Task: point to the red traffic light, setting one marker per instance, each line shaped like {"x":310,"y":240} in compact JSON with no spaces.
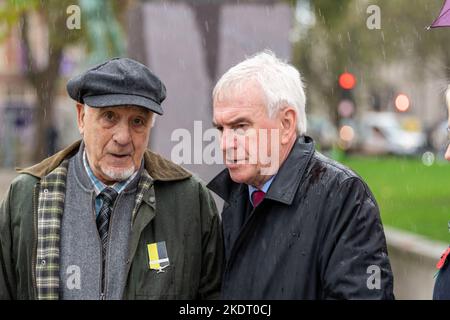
{"x":347,"y":81}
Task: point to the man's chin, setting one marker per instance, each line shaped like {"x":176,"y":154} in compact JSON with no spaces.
{"x":238,"y":176}
{"x":118,"y":174}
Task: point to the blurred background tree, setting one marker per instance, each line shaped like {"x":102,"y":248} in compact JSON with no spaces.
{"x":43,"y":76}
{"x":339,"y":40}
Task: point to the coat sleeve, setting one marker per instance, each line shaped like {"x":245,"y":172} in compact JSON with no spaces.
{"x":6,"y":275}
{"x":212,"y":248}
{"x":441,"y":289}
{"x":355,"y":263}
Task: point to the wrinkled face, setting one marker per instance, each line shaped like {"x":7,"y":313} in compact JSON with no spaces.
{"x":250,"y":139}
{"x":115,"y":139}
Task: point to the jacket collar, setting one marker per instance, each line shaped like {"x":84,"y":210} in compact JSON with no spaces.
{"x":286,"y":182}
{"x":157,"y":167}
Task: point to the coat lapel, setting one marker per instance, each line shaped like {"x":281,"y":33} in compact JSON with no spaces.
{"x":233,"y":216}
{"x":291,"y":173}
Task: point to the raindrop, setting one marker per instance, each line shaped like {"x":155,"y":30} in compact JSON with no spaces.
{"x":428,"y":158}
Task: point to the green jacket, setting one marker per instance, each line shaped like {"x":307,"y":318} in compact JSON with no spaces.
{"x":178,"y":209}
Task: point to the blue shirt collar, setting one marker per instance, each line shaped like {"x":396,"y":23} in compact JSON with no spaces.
{"x":265,"y":188}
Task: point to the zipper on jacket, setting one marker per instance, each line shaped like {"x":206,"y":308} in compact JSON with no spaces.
{"x":109,"y":244}
{"x":103,"y":284}
{"x":35,"y":240}
{"x":94,"y":216}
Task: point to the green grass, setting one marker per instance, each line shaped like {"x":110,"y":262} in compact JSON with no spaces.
{"x":411,"y":196}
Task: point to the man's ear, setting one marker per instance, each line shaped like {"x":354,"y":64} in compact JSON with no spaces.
{"x":152,"y":119}
{"x":80,"y":117}
{"x":288,"y":118}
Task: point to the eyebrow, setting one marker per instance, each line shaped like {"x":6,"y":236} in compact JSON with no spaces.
{"x":232,"y":122}
{"x":139,"y":110}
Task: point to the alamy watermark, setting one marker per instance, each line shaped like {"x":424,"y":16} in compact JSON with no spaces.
{"x":73,"y":281}
{"x":231,"y":147}
{"x":373,"y":22}
{"x":374,"y":280}
{"x":73,"y":21}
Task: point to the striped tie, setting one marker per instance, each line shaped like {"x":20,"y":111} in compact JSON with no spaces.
{"x":108,"y":195}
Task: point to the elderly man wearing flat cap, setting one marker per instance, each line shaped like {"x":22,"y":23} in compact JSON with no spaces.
{"x":106,"y":218}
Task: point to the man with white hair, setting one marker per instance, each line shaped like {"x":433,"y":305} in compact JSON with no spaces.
{"x":296,"y":224}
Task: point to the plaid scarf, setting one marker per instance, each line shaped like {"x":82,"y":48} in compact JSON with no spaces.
{"x":52,"y":191}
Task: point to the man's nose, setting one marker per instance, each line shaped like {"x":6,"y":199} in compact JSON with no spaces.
{"x":122,"y":134}
{"x":227,"y":140}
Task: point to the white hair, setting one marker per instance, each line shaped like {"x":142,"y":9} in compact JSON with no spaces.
{"x":280,"y":82}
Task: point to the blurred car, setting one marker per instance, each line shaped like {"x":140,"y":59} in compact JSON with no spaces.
{"x":322,"y":131}
{"x":382,"y":133}
{"x":439,"y":135}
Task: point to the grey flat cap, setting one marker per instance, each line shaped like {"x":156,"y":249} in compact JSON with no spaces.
{"x":116,"y":82}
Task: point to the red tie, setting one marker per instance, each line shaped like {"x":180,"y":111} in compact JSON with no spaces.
{"x":257,"y":197}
